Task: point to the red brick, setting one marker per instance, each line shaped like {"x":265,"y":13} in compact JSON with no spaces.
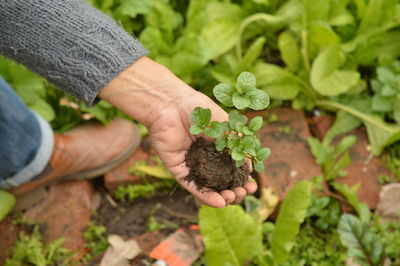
{"x":364,"y":168}
{"x":8,"y":236}
{"x":291,"y":159}
{"x":120,"y":176}
{"x":65,"y":212}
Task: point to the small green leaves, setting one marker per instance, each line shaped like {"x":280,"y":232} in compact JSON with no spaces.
{"x":223,"y":92}
{"x":258,"y":166}
{"x":201,"y":116}
{"x":245,"y":81}
{"x":256,"y":123}
{"x":215,"y":130}
{"x":263,"y":154}
{"x":244,"y":95}
{"x":235,"y":135}
{"x":259,"y":100}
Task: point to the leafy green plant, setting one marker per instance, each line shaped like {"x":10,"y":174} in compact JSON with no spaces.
{"x":333,"y":159}
{"x":132,"y":192}
{"x":96,"y":241}
{"x":7,"y":202}
{"x":236,"y":135}
{"x":386,"y":86}
{"x":232,"y":236}
{"x":325,"y":211}
{"x":362,"y":245}
{"x":30,"y":250}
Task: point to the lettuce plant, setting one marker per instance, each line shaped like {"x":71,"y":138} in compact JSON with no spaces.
{"x":237,"y":135}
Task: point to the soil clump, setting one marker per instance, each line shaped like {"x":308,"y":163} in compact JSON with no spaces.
{"x":212,"y":169}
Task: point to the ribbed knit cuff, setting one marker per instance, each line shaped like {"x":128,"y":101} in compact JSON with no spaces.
{"x":71,"y":44}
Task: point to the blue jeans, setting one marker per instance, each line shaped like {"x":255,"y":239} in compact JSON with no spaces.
{"x":26,"y":140}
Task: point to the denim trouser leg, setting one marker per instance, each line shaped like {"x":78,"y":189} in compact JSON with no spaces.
{"x":26,"y":140}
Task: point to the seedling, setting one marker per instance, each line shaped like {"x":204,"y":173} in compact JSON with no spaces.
{"x":237,"y":136}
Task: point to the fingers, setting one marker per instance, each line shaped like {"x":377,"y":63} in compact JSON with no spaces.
{"x":229,"y":196}
{"x":240,"y":193}
{"x":251,"y":186}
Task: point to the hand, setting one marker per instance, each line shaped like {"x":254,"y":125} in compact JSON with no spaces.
{"x":164,"y":106}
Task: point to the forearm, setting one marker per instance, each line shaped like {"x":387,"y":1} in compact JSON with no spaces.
{"x":144,"y":90}
{"x":74,"y":46}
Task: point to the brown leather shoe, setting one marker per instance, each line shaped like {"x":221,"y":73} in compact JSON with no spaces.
{"x":85,"y":152}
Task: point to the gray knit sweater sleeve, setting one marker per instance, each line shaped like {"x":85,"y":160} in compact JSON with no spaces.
{"x":71,"y":44}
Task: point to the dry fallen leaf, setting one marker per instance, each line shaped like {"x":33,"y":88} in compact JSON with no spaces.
{"x":120,"y":251}
{"x":269,"y":200}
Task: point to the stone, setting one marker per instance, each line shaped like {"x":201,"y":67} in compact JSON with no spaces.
{"x":8,"y":236}
{"x":291,"y":159}
{"x":65,"y":212}
{"x":389,"y":202}
{"x":120,"y":176}
{"x":364,"y":168}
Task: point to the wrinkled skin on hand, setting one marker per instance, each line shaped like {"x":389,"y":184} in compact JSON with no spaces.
{"x":151,"y":94}
{"x":171,"y":138}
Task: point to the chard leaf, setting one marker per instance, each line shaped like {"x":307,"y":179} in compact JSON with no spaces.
{"x":221,"y":22}
{"x":215,"y":130}
{"x":326,"y":78}
{"x":352,"y":198}
{"x":252,"y":54}
{"x":224,"y":92}
{"x":363,"y":246}
{"x":279,"y":83}
{"x":259,"y":100}
{"x":256,"y":123}
{"x":291,"y":215}
{"x":201,"y":116}
{"x":7,"y":201}
{"x":230,"y":235}
{"x":290,"y":50}
{"x":344,"y":123}
{"x":240,"y":101}
{"x":245,"y":81}
{"x":380,"y":133}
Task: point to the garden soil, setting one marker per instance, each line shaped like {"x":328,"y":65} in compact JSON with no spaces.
{"x":211,"y":169}
{"x":130,"y":219}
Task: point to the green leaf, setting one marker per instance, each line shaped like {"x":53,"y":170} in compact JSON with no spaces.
{"x":322,"y":153}
{"x":352,"y":198}
{"x":220,"y":144}
{"x":344,"y":123}
{"x":326,"y":78}
{"x":291,"y":216}
{"x":215,"y":130}
{"x":43,"y":109}
{"x":258,"y":166}
{"x":252,"y":54}
{"x":259,"y":100}
{"x":256,"y":123}
{"x":7,"y":202}
{"x":290,"y":50}
{"x":230,"y":235}
{"x":263,"y":154}
{"x":237,"y":155}
{"x":382,"y":103}
{"x":240,"y":101}
{"x":279,"y":83}
{"x":219,"y":27}
{"x":134,"y":8}
{"x":236,"y":118}
{"x":363,"y":246}
{"x":245,"y":81}
{"x":201,"y":116}
{"x":224,"y":92}
{"x":239,"y":163}
{"x":380,"y":133}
